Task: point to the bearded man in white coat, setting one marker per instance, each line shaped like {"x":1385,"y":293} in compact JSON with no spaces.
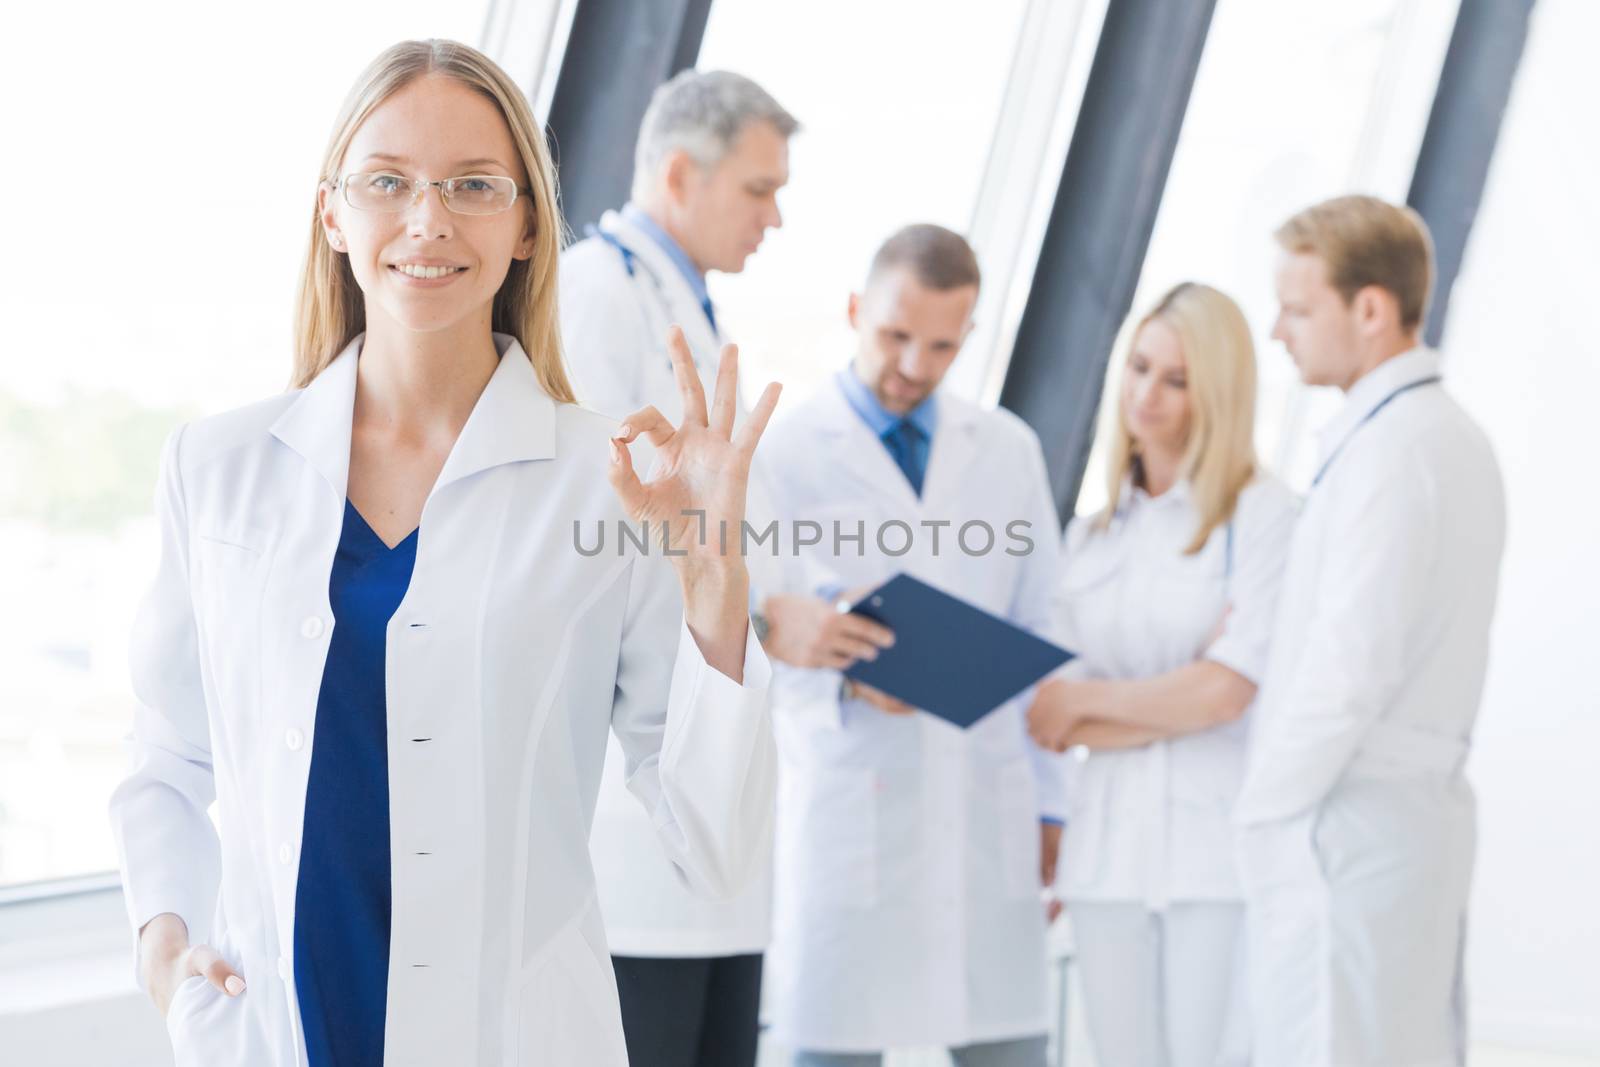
{"x":910,"y":852}
{"x":1356,"y":822}
{"x":711,"y":156}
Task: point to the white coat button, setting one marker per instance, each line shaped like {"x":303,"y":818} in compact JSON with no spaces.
{"x":294,"y":739}
{"x":312,"y":628}
{"x":285,"y":853}
{"x":283,"y":968}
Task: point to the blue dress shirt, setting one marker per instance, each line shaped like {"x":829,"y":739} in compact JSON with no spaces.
{"x":909,"y":438}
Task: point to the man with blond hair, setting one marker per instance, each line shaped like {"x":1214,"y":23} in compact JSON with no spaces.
{"x":1356,"y":824}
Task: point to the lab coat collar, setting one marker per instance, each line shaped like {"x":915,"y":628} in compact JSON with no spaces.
{"x":861,"y":453}
{"x":1181,"y":494}
{"x":949,"y":410}
{"x":651,"y":259}
{"x":513,"y":420}
{"x":880,"y":420}
{"x":1381,"y":382}
{"x":641,"y":221}
{"x":951,"y":451}
{"x":647,"y":252}
{"x":317,"y":425}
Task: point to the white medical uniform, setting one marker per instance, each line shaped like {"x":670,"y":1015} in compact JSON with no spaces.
{"x":1146,"y":866}
{"x":907,"y":895}
{"x":616,"y":308}
{"x":1357,"y":824}
{"x":620,"y":292}
{"x":510,"y":659}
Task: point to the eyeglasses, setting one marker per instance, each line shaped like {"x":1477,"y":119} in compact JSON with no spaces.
{"x":471,"y":194}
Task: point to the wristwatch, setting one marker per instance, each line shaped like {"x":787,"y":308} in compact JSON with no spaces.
{"x":762,"y":627}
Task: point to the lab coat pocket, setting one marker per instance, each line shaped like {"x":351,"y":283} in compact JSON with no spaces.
{"x":226,"y":562}
{"x":227,"y":559}
{"x":1201,"y":838}
{"x":1018,"y":801}
{"x":569,"y":1007}
{"x":244,"y":538}
{"x":840,"y":828}
{"x":189,"y":994}
{"x":208,"y":1027}
{"x":1280,"y":856}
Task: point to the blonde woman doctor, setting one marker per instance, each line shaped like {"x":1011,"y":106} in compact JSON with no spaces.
{"x":374,"y":645}
{"x":1168,"y":595}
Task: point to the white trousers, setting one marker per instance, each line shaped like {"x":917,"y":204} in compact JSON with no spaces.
{"x":1356,"y":926}
{"x":1162,"y":988}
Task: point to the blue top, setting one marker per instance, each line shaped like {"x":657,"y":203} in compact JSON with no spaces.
{"x":341,"y":921}
{"x":637,"y":216}
{"x":909,"y":449}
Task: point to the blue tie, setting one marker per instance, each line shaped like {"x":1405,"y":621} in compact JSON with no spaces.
{"x":908,"y":446}
{"x":705,"y":305}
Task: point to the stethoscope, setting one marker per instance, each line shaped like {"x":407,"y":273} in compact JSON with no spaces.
{"x":1322,"y":472}
{"x":655,"y":317}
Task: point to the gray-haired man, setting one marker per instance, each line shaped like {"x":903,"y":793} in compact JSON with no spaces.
{"x":713,"y":151}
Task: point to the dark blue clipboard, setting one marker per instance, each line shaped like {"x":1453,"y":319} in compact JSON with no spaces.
{"x":949,"y":658}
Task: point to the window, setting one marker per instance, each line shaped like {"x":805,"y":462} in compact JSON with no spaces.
{"x":155,"y":283}
{"x":1520,"y":355}
{"x":899,"y":101}
{"x":1293,"y":102}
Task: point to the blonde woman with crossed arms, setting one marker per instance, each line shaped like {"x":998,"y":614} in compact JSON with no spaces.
{"x":1167,"y":594}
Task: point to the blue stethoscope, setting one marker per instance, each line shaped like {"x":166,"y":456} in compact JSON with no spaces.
{"x":1385,"y":402}
{"x":629,"y":257}
{"x":632,"y":264}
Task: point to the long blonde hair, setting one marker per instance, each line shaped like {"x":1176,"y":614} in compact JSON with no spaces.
{"x":1219,"y":459}
{"x":330,"y":312}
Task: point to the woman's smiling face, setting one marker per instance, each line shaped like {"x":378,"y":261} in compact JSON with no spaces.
{"x":434,"y":128}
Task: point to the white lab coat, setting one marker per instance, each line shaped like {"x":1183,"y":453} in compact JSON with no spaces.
{"x":614,"y":323}
{"x":907,"y":895}
{"x":508,"y":660}
{"x":1151,"y":825}
{"x":1357,"y":823}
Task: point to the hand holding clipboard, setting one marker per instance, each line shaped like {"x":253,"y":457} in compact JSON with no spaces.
{"x":949,"y":658}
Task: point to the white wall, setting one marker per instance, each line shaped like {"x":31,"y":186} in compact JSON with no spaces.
{"x":1521,"y":353}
